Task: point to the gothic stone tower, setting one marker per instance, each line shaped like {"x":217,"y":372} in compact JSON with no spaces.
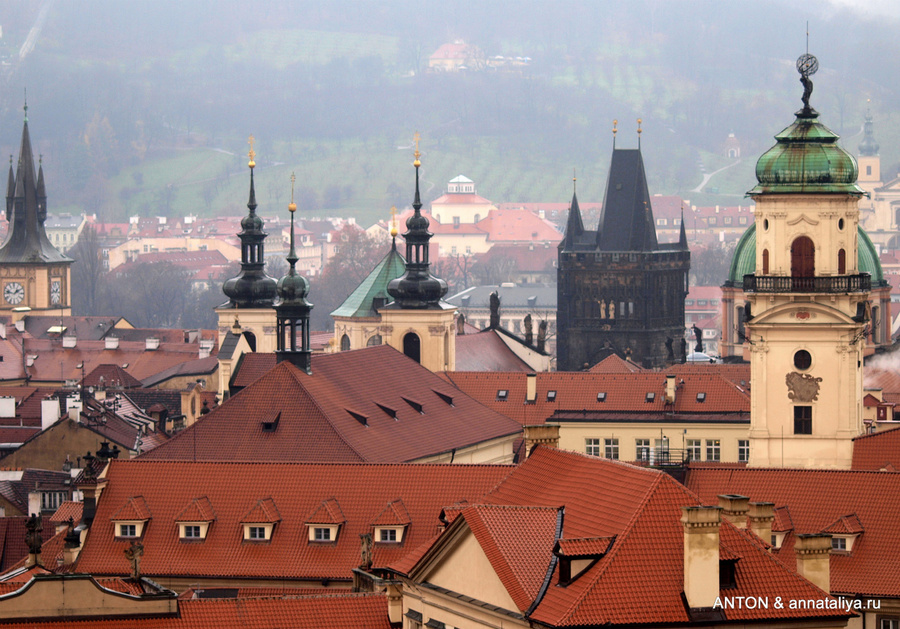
{"x":807,"y":300}
{"x":33,"y":274}
{"x":619,"y":290}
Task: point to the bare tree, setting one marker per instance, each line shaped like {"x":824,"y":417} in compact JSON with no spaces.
{"x":87,"y":272}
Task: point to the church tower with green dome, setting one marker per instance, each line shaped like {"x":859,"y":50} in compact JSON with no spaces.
{"x":807,"y":312}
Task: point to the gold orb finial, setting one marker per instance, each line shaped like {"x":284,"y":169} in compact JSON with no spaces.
{"x":393,"y":221}
{"x":292,"y":207}
{"x":639,"y":126}
{"x":252,"y":153}
{"x":615,"y":130}
{"x":417,"y":163}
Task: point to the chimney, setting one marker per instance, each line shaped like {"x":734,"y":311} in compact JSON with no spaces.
{"x":49,"y":412}
{"x":540,"y":434}
{"x":701,"y":555}
{"x":69,"y":341}
{"x":112,"y":342}
{"x":670,"y":389}
{"x":734,"y":509}
{"x":20,"y":325}
{"x":814,"y":559}
{"x":762,"y":516}
{"x":206,"y":346}
{"x":7,"y":407}
{"x":531,"y":388}
{"x":151,"y":344}
{"x":2,"y":331}
{"x":34,"y":501}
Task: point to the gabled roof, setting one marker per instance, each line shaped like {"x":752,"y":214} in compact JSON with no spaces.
{"x":68,"y":509}
{"x":264,"y":511}
{"x":315,"y":421}
{"x":329,"y":512}
{"x":394,"y":513}
{"x":112,"y":376}
{"x":845,"y":525}
{"x":298,"y":489}
{"x":360,"y":303}
{"x":816,"y":500}
{"x":135,"y":508}
{"x":200,"y":510}
{"x":640,"y":579}
{"x":616,"y":364}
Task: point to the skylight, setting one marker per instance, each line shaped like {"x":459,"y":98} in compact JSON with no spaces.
{"x":502,"y":394}
{"x":551,"y":396}
{"x":701,"y":397}
{"x":650,"y":396}
{"x":601,"y":397}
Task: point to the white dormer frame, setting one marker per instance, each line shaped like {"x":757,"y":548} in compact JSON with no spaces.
{"x":124,"y":530}
{"x":848,"y":541}
{"x":323,"y":533}
{"x":778,"y":539}
{"x":252,"y":532}
{"x":183,"y":531}
{"x":382,"y":532}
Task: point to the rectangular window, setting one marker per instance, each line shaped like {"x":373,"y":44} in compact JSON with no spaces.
{"x":642,"y":449}
{"x":713,"y":220}
{"x":468,"y":249}
{"x":323,"y":534}
{"x":728,"y":220}
{"x":453,"y":250}
{"x":889,"y":623}
{"x":743,"y":450}
{"x":127,"y":530}
{"x":257,"y":532}
{"x":592,"y":446}
{"x":713,"y":450}
{"x":388,"y":535}
{"x":839,"y":543}
{"x":694,"y":449}
{"x":742,"y":220}
{"x":611,"y":449}
{"x":803,"y":420}
{"x":50,"y":500}
{"x":192,"y":531}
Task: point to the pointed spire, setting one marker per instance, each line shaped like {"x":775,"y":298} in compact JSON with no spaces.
{"x":574,"y":222}
{"x":682,"y":236}
{"x":41,"y":192}
{"x":868,"y":147}
{"x":10,"y":190}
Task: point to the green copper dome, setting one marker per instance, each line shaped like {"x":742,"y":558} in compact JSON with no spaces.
{"x":806,"y":159}
{"x":744,"y":260}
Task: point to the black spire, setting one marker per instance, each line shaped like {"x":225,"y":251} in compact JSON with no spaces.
{"x":682,"y":235}
{"x":417,"y":288}
{"x":574,"y":223}
{"x":292,"y":308}
{"x":626,"y":220}
{"x":26,"y":209}
{"x":252,"y":288}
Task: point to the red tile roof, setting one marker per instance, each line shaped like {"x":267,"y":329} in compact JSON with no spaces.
{"x":314,"y":417}
{"x":640,"y":579}
{"x":394,"y":514}
{"x":337,"y":611}
{"x":134,"y":509}
{"x":615,"y":364}
{"x":877,"y":451}
{"x":329,"y":512}
{"x":816,"y":499}
{"x":264,"y":511}
{"x":518,"y":226}
{"x":68,"y":509}
{"x":486,"y":351}
{"x":459,"y":198}
{"x":298,"y":490}
{"x":626,"y":396}
{"x":200,"y":510}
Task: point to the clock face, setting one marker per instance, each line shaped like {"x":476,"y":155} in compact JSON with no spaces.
{"x":14,"y":293}
{"x":55,"y":292}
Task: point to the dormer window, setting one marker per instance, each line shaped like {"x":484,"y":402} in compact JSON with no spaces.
{"x":551,"y":396}
{"x":258,"y":532}
{"x":502,"y":395}
{"x":701,"y":397}
{"x":124,"y":529}
{"x":839,"y":544}
{"x":191,"y":531}
{"x":389,"y":534}
{"x":322,"y":533}
{"x":390,"y":525}
{"x":259,"y":523}
{"x":131,"y":520}
{"x":324,"y":524}
{"x":650,"y":397}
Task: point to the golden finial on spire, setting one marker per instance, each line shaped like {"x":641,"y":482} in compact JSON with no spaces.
{"x":417,"y":163}
{"x":393,"y":221}
{"x":292,"y":207}
{"x":615,"y":130}
{"x":639,"y":126}
{"x":252,"y":153}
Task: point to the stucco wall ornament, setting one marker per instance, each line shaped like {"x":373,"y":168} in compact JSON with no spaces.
{"x":802,"y":387}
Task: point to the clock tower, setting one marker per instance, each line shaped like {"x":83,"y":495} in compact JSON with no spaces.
{"x":807,"y":312}
{"x":33,"y":274}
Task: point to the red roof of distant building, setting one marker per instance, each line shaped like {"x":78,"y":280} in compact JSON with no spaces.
{"x":877,"y":451}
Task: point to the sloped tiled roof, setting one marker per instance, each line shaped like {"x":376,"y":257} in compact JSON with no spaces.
{"x":876,"y":451}
{"x":68,"y":509}
{"x":313,"y":419}
{"x":200,"y":510}
{"x":615,"y":364}
{"x":626,"y":396}
{"x":12,"y":539}
{"x":264,"y":511}
{"x":846,"y":525}
{"x":298,"y":489}
{"x":334,"y":611}
{"x":394,"y":513}
{"x":329,"y":512}
{"x":135,"y":508}
{"x":585,"y":546}
{"x":816,"y":499}
{"x":640,"y":580}
{"x":112,"y":375}
{"x":486,"y":351}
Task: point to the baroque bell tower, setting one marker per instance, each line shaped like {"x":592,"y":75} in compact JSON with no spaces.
{"x":806,"y":311}
{"x":34,"y":276}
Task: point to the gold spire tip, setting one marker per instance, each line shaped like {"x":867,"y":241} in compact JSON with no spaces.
{"x":417,"y":154}
{"x":292,"y":207}
{"x":252,"y":153}
{"x":615,"y":130}
{"x":393,"y":221}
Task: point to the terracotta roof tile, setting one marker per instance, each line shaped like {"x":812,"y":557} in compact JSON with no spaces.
{"x":135,"y":508}
{"x":486,"y":351}
{"x":877,"y":450}
{"x":200,"y":510}
{"x":615,"y":364}
{"x":329,"y":512}
{"x":815,"y":500}
{"x":394,"y":513}
{"x":298,"y":489}
{"x":264,"y":511}
{"x":848,"y":524}
{"x":68,"y":509}
{"x":585,"y":546}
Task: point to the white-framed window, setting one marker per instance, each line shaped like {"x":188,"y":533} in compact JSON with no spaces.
{"x":839,"y":544}
{"x":192,"y":531}
{"x":642,"y":449}
{"x":388,"y":535}
{"x":256,"y":532}
{"x":51,"y":500}
{"x":713,"y":450}
{"x":743,"y":450}
{"x":592,"y":447}
{"x":126,"y":530}
{"x":322,"y":534}
{"x":694,"y":449}
{"x":611,"y":449}
{"x":889,"y":623}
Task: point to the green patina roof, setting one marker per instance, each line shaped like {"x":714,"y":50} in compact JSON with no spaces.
{"x":359,"y":303}
{"x":806,"y":159}
{"x":744,"y":260}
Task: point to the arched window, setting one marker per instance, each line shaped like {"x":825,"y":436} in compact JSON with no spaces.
{"x":803,"y":263}
{"x":251,"y":340}
{"x":374,"y":340}
{"x":345,"y":343}
{"x":412,"y":346}
{"x":842,"y":262}
{"x":765,"y":262}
